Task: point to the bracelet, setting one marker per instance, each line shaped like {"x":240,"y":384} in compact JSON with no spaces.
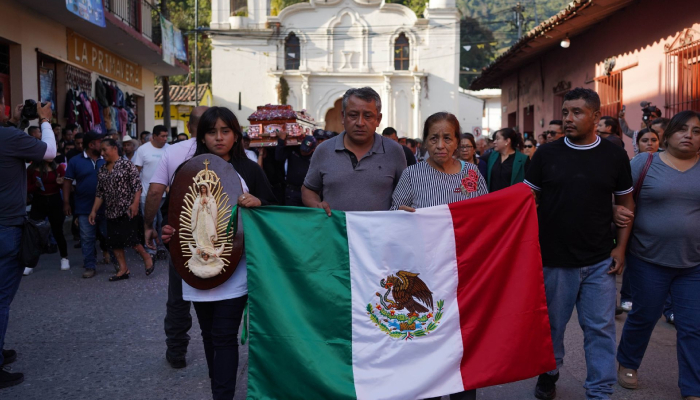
{"x":41,"y":121}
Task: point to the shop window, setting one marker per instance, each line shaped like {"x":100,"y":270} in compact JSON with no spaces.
{"x":401,"y":53}
{"x":610,"y":92}
{"x":683,"y":75}
{"x":292,"y":52}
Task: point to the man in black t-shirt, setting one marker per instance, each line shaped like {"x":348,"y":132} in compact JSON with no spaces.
{"x":391,"y":134}
{"x":574,"y":180}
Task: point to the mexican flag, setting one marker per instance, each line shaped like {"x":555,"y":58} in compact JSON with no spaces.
{"x":395,"y":305}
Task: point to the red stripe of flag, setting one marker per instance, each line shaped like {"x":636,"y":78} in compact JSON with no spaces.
{"x":502,"y":303}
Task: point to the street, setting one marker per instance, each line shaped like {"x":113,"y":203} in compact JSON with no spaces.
{"x":93,"y":339}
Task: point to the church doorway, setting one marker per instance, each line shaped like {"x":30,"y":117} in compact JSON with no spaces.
{"x":334,"y":118}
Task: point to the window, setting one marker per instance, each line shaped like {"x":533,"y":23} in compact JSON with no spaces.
{"x":292,"y":52}
{"x":401,"y":52}
{"x":683,"y":75}
{"x":610,"y":92}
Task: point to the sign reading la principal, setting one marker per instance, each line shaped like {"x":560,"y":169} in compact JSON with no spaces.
{"x":97,"y":59}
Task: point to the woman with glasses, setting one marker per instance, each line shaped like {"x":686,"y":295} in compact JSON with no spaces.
{"x":467,"y":152}
{"x":530,"y":147}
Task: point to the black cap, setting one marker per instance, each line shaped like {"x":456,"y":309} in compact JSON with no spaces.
{"x":90,"y":136}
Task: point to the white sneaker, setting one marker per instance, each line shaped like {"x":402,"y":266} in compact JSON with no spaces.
{"x":626,"y":305}
{"x":28,"y":271}
{"x":65,"y":264}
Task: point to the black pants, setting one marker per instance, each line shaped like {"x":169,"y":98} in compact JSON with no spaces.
{"x":178,"y":320}
{"x":468,"y":395}
{"x":220,"y":321}
{"x":292,"y":196}
{"x":52,"y":207}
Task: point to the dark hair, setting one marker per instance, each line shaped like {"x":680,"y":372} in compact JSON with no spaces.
{"x":613,"y":123}
{"x":661,"y":121}
{"x":644,"y":132}
{"x":43,"y":167}
{"x":531,"y":140}
{"x":389,"y":131}
{"x":71,"y":127}
{"x":411,"y":142}
{"x":589,"y":96}
{"x":32,"y":129}
{"x":110,"y":142}
{"x":207,"y":122}
{"x":516,"y":141}
{"x":556,"y":122}
{"x":146,"y":132}
{"x":470,"y":138}
{"x":441,"y":116}
{"x":183,"y":134}
{"x":366,"y":93}
{"x":79,"y":135}
{"x":158,"y":129}
{"x":55,"y":125}
{"x":677,"y":123}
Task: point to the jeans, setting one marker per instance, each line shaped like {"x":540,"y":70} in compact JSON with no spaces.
{"x":592,"y":291}
{"x":220,"y":321}
{"x":651,"y":285}
{"x":292,"y":196}
{"x":88,"y":235}
{"x":668,"y":307}
{"x":10,"y":274}
{"x":178,"y":320}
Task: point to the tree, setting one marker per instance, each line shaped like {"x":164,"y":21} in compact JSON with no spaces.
{"x":477,"y":49}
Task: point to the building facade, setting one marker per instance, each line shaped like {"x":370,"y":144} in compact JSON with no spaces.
{"x":311,"y":53}
{"x":182,"y":102}
{"x":610,"y":49}
{"x":47,"y":51}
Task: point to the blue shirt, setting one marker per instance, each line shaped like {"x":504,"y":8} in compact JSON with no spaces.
{"x":83,"y":170}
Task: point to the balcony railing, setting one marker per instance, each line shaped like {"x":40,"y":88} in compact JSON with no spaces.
{"x":138,"y":14}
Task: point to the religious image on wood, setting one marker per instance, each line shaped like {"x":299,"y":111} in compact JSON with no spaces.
{"x":206,"y":211}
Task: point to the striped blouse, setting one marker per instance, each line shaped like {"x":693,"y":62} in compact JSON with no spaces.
{"x":423,"y":186}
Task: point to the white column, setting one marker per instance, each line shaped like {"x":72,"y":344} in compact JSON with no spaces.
{"x":416,"y":106}
{"x":304,"y":91}
{"x":388,"y":107}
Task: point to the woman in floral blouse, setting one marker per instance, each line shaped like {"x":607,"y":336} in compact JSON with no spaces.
{"x":119,"y":188}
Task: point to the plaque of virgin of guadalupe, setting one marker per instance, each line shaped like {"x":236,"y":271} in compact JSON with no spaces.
{"x":204,"y":250}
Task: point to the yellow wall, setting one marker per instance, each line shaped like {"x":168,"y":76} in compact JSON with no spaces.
{"x":182,"y":112}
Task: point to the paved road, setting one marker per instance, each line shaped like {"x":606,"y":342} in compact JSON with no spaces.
{"x":92,"y":339}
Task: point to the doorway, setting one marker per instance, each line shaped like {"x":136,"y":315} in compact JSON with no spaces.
{"x":334,"y":117}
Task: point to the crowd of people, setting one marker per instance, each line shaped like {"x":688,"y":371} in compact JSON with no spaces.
{"x":599,"y":214}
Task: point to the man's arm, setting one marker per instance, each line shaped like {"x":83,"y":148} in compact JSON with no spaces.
{"x":623,"y":235}
{"x":624,"y":127}
{"x":47,"y":135}
{"x":313,"y":199}
{"x":150,"y":209}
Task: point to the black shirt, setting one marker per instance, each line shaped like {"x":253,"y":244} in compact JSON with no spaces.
{"x":576,"y":185}
{"x":297,"y":164}
{"x":502,"y":172}
{"x":410,"y":158}
{"x":255,"y":179}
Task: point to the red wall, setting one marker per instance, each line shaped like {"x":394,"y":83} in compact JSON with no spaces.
{"x":635,"y":35}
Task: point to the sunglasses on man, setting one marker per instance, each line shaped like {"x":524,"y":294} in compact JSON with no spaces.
{"x":529,"y":146}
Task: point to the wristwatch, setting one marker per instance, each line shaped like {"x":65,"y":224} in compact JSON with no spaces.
{"x":41,"y":121}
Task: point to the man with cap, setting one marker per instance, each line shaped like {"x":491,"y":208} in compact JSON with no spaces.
{"x":130,"y":146}
{"x":298,"y":161}
{"x":82,"y":169}
{"x":320,"y":135}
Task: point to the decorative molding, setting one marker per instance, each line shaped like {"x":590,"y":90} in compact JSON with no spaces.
{"x":562,"y":86}
{"x":688,"y":36}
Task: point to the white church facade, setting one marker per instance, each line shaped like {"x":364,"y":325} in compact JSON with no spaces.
{"x":311,"y":53}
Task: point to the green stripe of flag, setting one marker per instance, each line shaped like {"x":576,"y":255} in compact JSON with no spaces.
{"x":300,"y":304}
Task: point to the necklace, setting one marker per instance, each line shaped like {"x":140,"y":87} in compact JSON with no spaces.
{"x":668,"y":159}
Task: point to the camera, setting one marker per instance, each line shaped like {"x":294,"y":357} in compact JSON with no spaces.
{"x":647,"y":110}
{"x":29,"y":111}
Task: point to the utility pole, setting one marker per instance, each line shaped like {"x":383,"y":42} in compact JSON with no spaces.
{"x":165,"y":80}
{"x":518,"y":14}
{"x":196,"y":53}
{"x":537,"y":20}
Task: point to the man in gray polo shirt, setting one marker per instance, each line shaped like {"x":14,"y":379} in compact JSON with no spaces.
{"x":358,"y":169}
